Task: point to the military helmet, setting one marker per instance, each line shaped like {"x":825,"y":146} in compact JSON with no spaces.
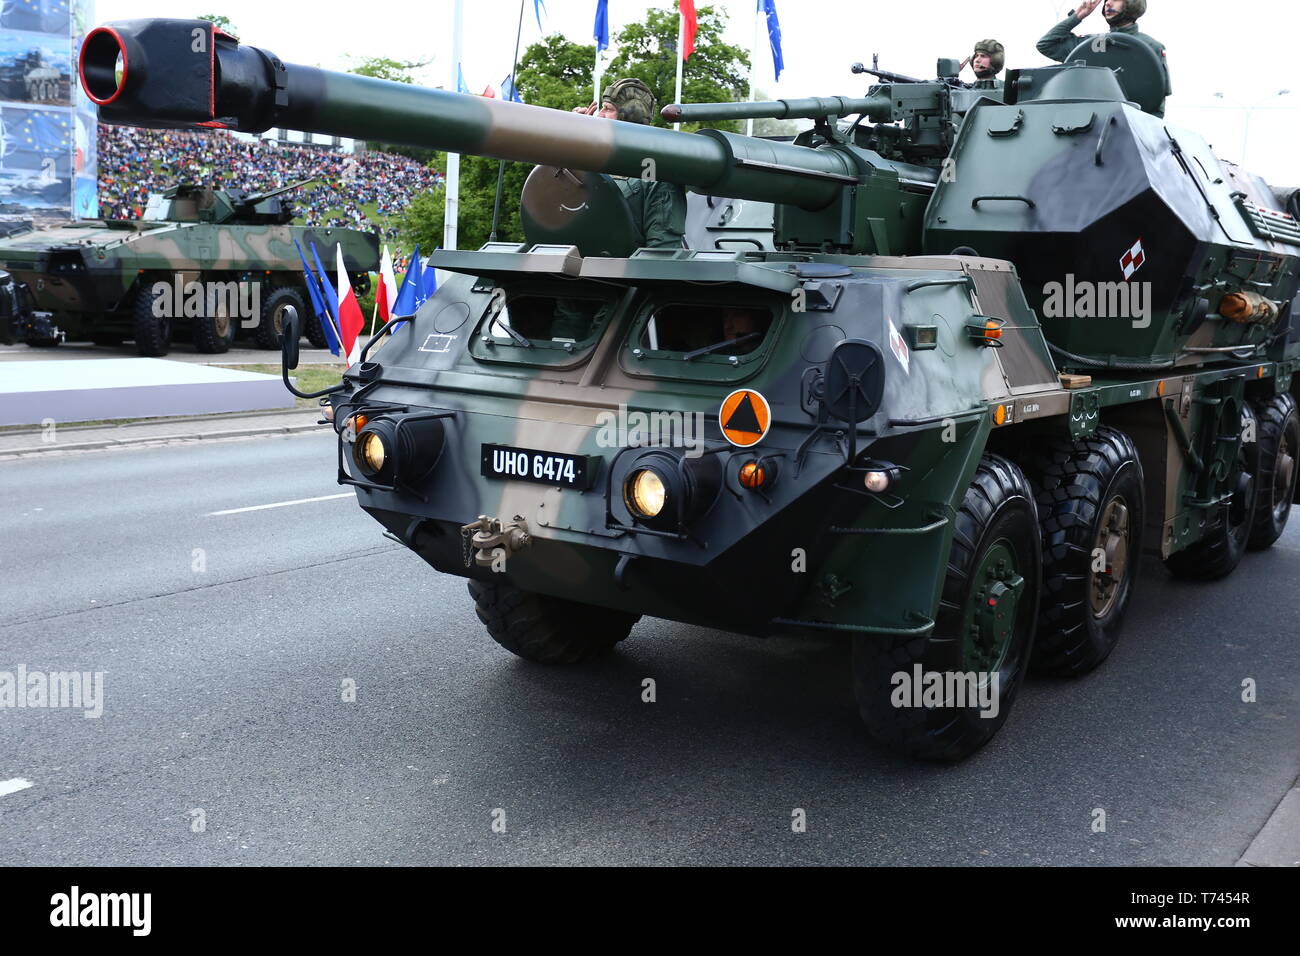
{"x":634,"y":100}
{"x":997,"y":54}
{"x":1134,"y":9}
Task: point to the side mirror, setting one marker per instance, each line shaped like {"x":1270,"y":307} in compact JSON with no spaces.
{"x":290,"y":333}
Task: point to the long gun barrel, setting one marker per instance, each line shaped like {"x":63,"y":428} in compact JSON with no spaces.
{"x":877,"y":108}
{"x":187,"y":73}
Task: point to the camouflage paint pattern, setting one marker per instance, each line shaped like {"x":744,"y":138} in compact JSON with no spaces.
{"x":864,"y":228}
{"x":88,"y":272}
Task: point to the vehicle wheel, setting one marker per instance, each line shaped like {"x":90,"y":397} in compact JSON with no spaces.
{"x":42,"y":343}
{"x":985,"y":626}
{"x":153,"y":333}
{"x":1219,"y":552}
{"x":314,"y":333}
{"x":544,"y":629}
{"x":107,"y":338}
{"x":267,"y":333}
{"x":214,"y":334}
{"x":1277,"y":432}
{"x":1091,"y":509}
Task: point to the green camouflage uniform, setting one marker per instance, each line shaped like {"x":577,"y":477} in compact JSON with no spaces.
{"x":658,"y":209}
{"x":1059,"y":42}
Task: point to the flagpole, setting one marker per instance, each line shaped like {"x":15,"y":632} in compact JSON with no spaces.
{"x":514,"y":88}
{"x":451,"y":211}
{"x":753,"y":71}
{"x":681,"y":44}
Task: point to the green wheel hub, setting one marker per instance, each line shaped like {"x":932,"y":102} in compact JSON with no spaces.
{"x":991,"y":613}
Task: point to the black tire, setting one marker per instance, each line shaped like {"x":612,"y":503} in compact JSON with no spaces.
{"x":1220,"y":550}
{"x":997,"y":516}
{"x":1277,"y":433}
{"x":152,"y":333}
{"x":109,"y":339}
{"x":1090,"y":496}
{"x":214,"y":334}
{"x":42,"y":343}
{"x":268,"y":331}
{"x":312,"y":331}
{"x":547,"y":630}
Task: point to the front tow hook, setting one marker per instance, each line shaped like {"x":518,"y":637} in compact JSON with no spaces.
{"x":491,"y":540}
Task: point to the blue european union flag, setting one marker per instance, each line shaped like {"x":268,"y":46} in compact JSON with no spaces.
{"x":773,"y":34}
{"x":601,"y":28}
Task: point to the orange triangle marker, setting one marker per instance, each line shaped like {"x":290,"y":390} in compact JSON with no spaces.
{"x":745,"y":417}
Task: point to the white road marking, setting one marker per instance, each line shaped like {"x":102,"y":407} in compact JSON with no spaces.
{"x":13,"y":786}
{"x":280,"y":504}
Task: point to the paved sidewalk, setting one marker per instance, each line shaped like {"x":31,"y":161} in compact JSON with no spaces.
{"x":1278,"y":843}
{"x":180,"y":352}
{"x":25,"y":442}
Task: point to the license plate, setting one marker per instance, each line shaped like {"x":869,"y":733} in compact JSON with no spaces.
{"x":531,"y":464}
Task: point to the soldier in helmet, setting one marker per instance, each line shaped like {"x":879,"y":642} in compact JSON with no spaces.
{"x":658,"y":208}
{"x":1122,"y":15}
{"x":987,"y":61}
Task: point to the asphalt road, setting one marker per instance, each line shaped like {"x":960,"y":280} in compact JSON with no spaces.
{"x":222,"y":694}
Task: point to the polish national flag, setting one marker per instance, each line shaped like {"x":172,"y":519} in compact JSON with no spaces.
{"x":689,"y":26}
{"x":386,"y":294}
{"x":351,"y":321}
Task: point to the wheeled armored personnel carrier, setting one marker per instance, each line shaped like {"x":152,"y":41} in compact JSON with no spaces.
{"x":1007,"y":343}
{"x":203,"y":263}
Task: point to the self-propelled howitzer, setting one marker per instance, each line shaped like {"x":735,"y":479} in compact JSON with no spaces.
{"x":820,"y":437}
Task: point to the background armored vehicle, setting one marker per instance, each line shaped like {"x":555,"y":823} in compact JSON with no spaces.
{"x":112,"y":280}
{"x":879,"y":429}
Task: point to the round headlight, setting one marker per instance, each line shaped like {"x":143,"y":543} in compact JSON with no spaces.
{"x":370,"y":453}
{"x":645,"y":493}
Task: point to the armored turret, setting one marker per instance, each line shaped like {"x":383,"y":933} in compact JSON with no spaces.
{"x":188,"y":202}
{"x":1069,"y":173}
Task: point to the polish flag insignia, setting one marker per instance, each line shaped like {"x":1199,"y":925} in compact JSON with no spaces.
{"x":1132,"y":260}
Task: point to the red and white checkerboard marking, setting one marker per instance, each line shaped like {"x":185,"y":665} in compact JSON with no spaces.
{"x":1132,"y":260}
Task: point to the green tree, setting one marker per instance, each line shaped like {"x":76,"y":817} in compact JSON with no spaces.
{"x":557,"y":73}
{"x":223,"y":23}
{"x":717,"y":72}
{"x":386,"y":68}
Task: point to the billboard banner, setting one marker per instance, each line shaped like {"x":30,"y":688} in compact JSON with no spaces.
{"x":48,"y":162}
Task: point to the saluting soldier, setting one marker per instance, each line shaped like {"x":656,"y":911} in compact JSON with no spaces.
{"x":658,"y":208}
{"x":1122,"y":15}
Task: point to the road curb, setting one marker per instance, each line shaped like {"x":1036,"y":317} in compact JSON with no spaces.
{"x":151,"y":439}
{"x":1278,"y":843}
{"x":169,"y":420}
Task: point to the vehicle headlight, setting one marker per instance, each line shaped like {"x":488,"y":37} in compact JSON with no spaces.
{"x":665,"y":491}
{"x":371,"y":453}
{"x":397,"y":448}
{"x":645,"y":493}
